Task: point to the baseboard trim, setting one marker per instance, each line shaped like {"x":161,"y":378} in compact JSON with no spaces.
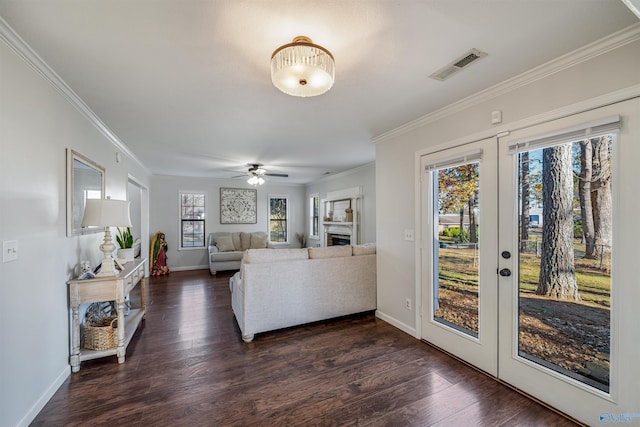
{"x":44,"y":398}
{"x":398,"y":324}
{"x":193,"y":267}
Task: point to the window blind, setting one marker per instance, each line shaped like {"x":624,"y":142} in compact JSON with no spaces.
{"x":470,"y":157}
{"x":577,"y":133}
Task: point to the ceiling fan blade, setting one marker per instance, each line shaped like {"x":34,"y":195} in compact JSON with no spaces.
{"x":239,"y":176}
{"x":283,"y":175}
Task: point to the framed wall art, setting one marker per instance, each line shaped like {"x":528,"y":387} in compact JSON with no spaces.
{"x":238,"y":206}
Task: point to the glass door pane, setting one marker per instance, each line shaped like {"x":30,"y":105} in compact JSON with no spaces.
{"x":564,"y":239}
{"x":457,"y":253}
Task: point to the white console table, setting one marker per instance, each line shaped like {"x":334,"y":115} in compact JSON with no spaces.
{"x":114,"y":288}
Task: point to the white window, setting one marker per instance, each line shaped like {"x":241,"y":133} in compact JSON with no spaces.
{"x":278,"y":219}
{"x":314,"y":215}
{"x":192,"y":214}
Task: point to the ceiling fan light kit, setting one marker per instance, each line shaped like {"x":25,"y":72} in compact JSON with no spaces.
{"x":302,"y":68}
{"x":256,"y":174}
{"x":255,"y":180}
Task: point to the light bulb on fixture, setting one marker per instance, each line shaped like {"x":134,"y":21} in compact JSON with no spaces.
{"x":256,"y":180}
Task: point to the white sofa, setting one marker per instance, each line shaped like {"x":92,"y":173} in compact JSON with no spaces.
{"x":276,"y":289}
{"x":226,"y":248}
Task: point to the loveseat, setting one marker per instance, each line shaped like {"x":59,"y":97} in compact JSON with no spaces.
{"x":276,"y":289}
{"x":226,"y":248}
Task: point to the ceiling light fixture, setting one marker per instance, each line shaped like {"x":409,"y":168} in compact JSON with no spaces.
{"x":302,"y":68}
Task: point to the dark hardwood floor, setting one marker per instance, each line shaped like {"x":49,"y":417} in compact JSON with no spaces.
{"x":187,"y":366}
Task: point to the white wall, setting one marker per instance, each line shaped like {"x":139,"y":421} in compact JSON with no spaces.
{"x":396,"y":168}
{"x":164,"y":207}
{"x":363,"y":177}
{"x":37,"y":125}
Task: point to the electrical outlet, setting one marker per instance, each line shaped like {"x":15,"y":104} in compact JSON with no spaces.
{"x":407,"y":304}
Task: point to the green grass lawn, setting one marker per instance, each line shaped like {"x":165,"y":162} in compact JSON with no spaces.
{"x":457,"y":272}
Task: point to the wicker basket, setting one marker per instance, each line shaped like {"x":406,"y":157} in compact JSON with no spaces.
{"x":102,"y":337}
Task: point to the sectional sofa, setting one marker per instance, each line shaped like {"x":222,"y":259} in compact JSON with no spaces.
{"x":226,"y":248}
{"x":279,"y":288}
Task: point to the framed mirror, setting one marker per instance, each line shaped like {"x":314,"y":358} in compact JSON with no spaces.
{"x":85,"y":180}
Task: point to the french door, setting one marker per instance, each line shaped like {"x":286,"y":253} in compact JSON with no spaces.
{"x":548,"y":204}
{"x":459,"y":206}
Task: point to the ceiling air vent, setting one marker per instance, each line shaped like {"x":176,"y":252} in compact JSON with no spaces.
{"x":458,"y":64}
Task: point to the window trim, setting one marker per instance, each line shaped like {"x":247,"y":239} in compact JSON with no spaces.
{"x":180,"y":220}
{"x":287,"y":218}
{"x":312,"y":217}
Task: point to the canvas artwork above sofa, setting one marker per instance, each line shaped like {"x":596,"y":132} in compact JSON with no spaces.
{"x":226,"y":248}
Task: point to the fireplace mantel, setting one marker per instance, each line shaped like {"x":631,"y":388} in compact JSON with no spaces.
{"x":337,"y":226}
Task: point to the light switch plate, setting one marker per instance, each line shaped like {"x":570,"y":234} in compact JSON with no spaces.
{"x":408,"y":235}
{"x":9,"y":250}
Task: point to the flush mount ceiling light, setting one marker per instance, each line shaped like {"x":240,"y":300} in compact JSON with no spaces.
{"x":302,"y":68}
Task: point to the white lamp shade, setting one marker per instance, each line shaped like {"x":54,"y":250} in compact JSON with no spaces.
{"x":106,"y":213}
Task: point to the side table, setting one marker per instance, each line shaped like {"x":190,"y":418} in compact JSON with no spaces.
{"x":113,"y":288}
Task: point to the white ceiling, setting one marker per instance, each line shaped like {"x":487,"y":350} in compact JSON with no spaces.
{"x":186,"y":84}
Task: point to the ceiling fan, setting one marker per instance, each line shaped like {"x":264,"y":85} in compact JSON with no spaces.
{"x":256,"y":174}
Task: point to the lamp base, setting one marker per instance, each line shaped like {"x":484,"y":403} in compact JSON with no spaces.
{"x":107,"y":247}
{"x":107,"y":269}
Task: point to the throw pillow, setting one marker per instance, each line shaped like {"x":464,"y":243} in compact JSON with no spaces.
{"x":225,"y":244}
{"x":365,"y":249}
{"x":258,"y":241}
{"x":235,"y":236}
{"x":245,"y":241}
{"x":330,"y":252}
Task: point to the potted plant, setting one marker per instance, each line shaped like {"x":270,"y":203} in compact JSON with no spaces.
{"x":125,"y":240}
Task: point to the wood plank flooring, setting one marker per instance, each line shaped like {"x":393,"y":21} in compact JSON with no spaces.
{"x":188,"y":366}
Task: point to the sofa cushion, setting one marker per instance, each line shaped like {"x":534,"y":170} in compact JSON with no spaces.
{"x":215,"y":236}
{"x":330,"y":252}
{"x":245,"y":241}
{"x":227,"y":256}
{"x":365,"y":249}
{"x":235,"y":237}
{"x":225,"y":243}
{"x":258,"y":240}
{"x":256,"y":256}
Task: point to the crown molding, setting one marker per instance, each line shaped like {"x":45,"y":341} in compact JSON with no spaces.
{"x":345,"y":173}
{"x":28,"y":55}
{"x":606,"y":44}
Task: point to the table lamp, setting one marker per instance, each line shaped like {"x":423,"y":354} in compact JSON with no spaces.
{"x":106,"y":213}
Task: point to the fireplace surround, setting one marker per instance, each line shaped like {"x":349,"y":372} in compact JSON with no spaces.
{"x":341,"y":213}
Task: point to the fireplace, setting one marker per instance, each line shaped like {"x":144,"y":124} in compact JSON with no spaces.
{"x":341,"y":214}
{"x":338,"y":239}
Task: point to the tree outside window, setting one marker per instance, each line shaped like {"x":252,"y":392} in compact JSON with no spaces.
{"x":192,"y":213}
{"x":278,"y":219}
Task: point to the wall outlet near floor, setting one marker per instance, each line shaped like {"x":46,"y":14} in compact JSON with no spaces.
{"x":407,"y":303}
